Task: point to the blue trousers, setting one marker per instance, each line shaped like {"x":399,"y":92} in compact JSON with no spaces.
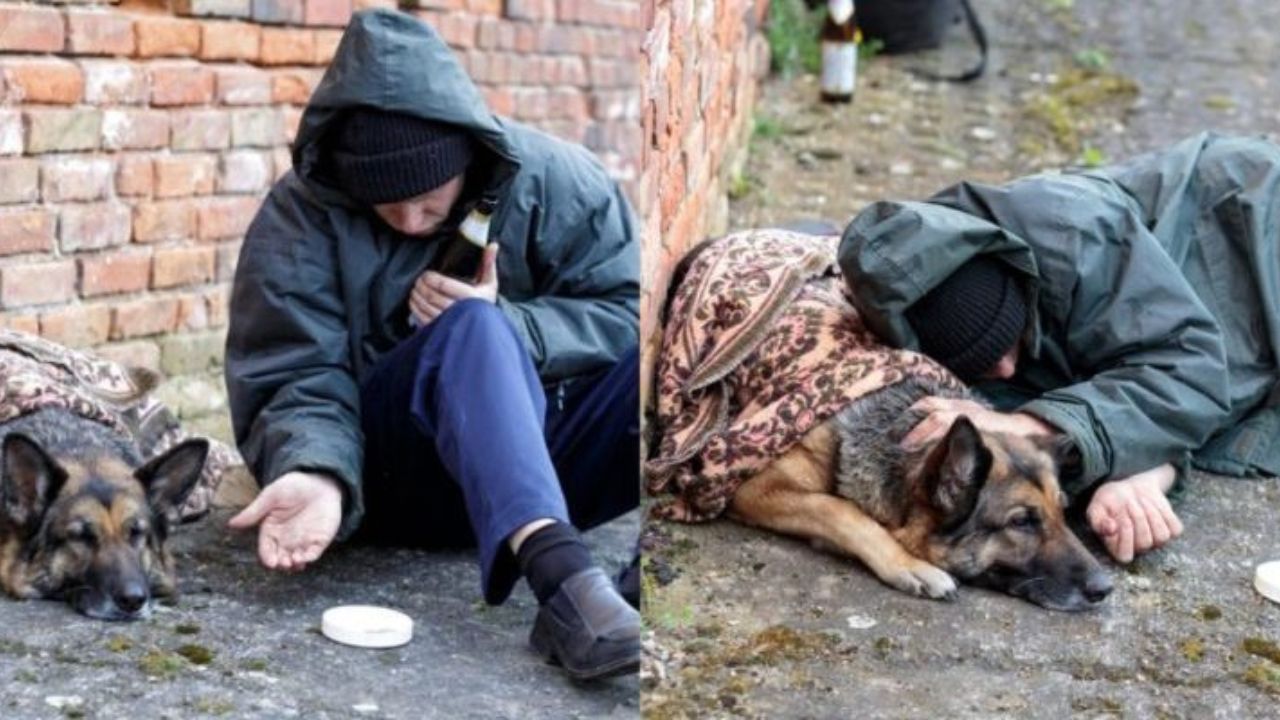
{"x":462,"y":449}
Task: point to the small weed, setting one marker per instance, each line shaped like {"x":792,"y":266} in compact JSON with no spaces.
{"x":1209,"y":612}
{"x":187,"y":629}
{"x":119,"y":644}
{"x":196,"y":654}
{"x":766,"y":128}
{"x":1262,"y":648}
{"x":160,"y":664}
{"x":1193,"y":649}
{"x":1092,"y":157}
{"x":792,"y":31}
{"x":1093,"y":59}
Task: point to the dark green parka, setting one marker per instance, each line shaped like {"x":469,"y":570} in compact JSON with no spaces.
{"x":1154,"y":289}
{"x":322,"y":285}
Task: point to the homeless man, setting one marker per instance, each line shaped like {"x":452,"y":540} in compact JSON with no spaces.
{"x":1133,"y":311}
{"x":369,"y":391}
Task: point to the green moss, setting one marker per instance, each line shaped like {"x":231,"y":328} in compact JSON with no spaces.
{"x":254,"y":665}
{"x":213,"y":706}
{"x":1221,"y":103}
{"x":160,"y":664}
{"x":119,"y":644}
{"x":26,"y":676}
{"x":196,"y":654}
{"x":740,"y":186}
{"x":187,"y":629}
{"x":1264,"y":676}
{"x":1262,"y":648}
{"x":1192,"y":649}
{"x":1209,"y":612}
{"x":884,"y":646}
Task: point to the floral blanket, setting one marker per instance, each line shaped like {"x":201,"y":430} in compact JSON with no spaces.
{"x":760,"y":346}
{"x":36,"y":374}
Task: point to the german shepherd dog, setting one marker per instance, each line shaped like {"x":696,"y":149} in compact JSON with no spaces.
{"x":83,"y":518}
{"x":981,"y":507}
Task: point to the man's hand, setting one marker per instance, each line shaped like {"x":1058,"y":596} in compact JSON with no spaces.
{"x":1132,"y":515}
{"x":433,"y":293}
{"x":299,"y":513}
{"x":944,"y":411}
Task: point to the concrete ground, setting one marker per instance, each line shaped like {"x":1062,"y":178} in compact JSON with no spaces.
{"x":241,"y":643}
{"x":746,"y":624}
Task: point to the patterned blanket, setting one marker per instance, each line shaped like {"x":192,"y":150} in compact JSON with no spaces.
{"x":36,"y":374}
{"x":760,"y":346}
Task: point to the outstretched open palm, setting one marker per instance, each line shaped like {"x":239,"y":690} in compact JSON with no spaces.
{"x":298,"y":515}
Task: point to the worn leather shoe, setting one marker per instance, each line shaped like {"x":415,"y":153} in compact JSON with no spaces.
{"x":588,"y":628}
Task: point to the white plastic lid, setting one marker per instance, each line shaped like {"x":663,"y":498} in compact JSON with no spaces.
{"x":1267,"y":580}
{"x":367,"y":626}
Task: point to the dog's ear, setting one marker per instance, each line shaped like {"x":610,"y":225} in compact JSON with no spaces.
{"x":962,"y":471}
{"x":170,"y":477}
{"x":29,"y":480}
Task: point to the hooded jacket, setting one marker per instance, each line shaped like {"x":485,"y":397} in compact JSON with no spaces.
{"x":322,"y":285}
{"x":1154,"y":295}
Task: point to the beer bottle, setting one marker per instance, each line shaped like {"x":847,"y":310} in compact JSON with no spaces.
{"x":461,"y":257}
{"x":839,"y":39}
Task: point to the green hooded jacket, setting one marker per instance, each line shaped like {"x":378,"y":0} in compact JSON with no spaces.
{"x":321,"y":286}
{"x":1154,"y":297}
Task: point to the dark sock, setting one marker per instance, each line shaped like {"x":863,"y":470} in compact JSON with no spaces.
{"x":550,"y":555}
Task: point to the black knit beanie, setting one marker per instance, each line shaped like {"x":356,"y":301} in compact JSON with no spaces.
{"x":384,"y":157}
{"x":972,"y":318}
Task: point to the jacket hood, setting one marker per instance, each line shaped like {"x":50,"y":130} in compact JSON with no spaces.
{"x":394,"y":62}
{"x":893,"y":253}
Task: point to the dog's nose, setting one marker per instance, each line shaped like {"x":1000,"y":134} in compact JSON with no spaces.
{"x":1097,"y":587}
{"x":131,"y":597}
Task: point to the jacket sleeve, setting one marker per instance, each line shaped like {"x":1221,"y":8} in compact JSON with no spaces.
{"x":1151,"y":357}
{"x":586,"y":313}
{"x":294,"y":400}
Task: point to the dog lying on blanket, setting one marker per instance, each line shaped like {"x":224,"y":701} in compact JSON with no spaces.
{"x":777,"y":406}
{"x":984,"y":508}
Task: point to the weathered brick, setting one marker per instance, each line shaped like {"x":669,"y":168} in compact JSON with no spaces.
{"x":76,"y":325}
{"x":135,"y":129}
{"x":93,"y":226}
{"x":366,"y":4}
{"x":24,"y":28}
{"x":244,"y":171}
{"x":19,"y":181}
{"x":532,"y":9}
{"x":62,"y":130}
{"x":228,"y":256}
{"x":243,"y":86}
{"x":185,"y":174}
{"x":334,"y":13}
{"x":217,"y":301}
{"x":214,"y":8}
{"x":256,"y":128}
{"x":135,"y":353}
{"x":178,"y":83}
{"x":227,"y":217}
{"x":230,"y":41}
{"x":37,"y":283}
{"x":287,"y":46}
{"x":174,"y":267}
{"x":41,"y":80}
{"x":25,"y":230}
{"x":10,"y":132}
{"x":293,"y":86}
{"x":160,"y":36}
{"x":135,"y":176}
{"x":326,"y":46}
{"x":144,"y":316}
{"x":114,"y":83}
{"x":20,"y":322}
{"x":76,"y":178}
{"x":282,"y":160}
{"x":201,"y":130}
{"x":191,"y":353}
{"x":114,"y":272}
{"x":193,"y":312}
{"x":291,"y":120}
{"x":164,"y":220}
{"x":97,"y":31}
{"x":288,"y":12}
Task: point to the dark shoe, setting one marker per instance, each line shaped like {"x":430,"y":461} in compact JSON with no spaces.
{"x":628,"y":582}
{"x":588,"y":628}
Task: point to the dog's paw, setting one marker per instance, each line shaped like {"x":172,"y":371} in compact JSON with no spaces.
{"x":924,"y":580}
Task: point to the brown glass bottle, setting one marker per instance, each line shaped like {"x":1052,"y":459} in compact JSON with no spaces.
{"x":461,"y":256}
{"x":839,"y":38}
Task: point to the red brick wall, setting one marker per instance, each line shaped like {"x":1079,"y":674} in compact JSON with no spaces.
{"x":137,"y":137}
{"x":701,"y":65}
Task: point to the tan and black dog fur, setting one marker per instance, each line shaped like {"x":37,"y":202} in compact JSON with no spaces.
{"x":981,"y":507}
{"x":83,"y":518}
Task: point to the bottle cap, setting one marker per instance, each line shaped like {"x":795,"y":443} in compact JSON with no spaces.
{"x":1267,"y":580}
{"x":367,"y":626}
